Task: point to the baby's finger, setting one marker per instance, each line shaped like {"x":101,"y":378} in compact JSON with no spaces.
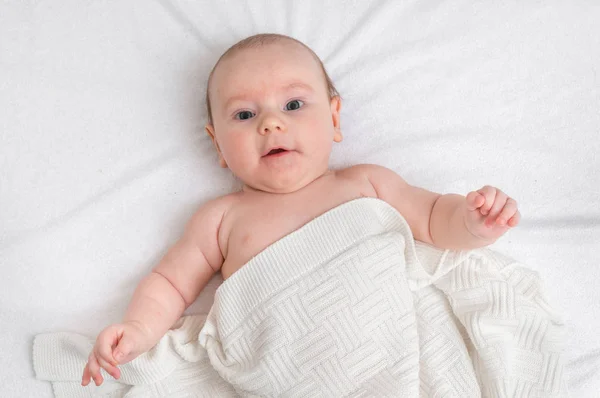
{"x":123,"y":351}
{"x":509,"y":210}
{"x":497,"y":206}
{"x":490,"y":194}
{"x":111,"y":369}
{"x":514,"y":221}
{"x":103,"y":348}
{"x":95,"y":370}
{"x":87,"y":377}
{"x":475,"y":200}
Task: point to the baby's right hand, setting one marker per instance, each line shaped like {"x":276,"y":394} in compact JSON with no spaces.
{"x":115,"y":345}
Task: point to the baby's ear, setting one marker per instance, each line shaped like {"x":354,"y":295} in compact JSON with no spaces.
{"x":210,"y":130}
{"x":336,"y":107}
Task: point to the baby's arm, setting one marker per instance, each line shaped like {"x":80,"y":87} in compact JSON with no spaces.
{"x":178,"y":279}
{"x":447,"y":221}
{"x":162,"y":296}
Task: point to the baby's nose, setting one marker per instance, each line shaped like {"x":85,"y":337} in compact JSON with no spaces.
{"x":271,"y":124}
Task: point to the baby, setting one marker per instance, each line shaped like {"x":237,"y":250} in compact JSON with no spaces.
{"x":274,"y":115}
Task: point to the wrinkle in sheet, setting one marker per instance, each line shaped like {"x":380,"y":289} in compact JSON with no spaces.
{"x":576,"y":222}
{"x":366,"y":31}
{"x":583,"y":369}
{"x":136,"y":173}
{"x":186,"y":24}
{"x":292,"y":22}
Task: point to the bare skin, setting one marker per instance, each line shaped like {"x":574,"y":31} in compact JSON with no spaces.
{"x":267,"y":99}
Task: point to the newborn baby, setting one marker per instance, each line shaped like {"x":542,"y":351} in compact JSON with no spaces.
{"x":274,"y":115}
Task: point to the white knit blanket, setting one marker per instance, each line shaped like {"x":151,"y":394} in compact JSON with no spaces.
{"x":348,"y":305}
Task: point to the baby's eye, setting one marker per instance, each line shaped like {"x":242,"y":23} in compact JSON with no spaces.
{"x":244,"y":115}
{"x":293,"y":105}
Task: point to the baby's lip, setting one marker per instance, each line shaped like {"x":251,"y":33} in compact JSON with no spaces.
{"x":275,"y":149}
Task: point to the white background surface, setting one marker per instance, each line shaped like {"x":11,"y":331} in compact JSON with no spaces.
{"x":103,"y":156}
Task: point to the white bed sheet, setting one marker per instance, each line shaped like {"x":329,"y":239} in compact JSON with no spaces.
{"x":103,"y":156}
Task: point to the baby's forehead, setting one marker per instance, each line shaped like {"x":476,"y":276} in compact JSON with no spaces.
{"x":282,"y":47}
{"x":234,"y":61}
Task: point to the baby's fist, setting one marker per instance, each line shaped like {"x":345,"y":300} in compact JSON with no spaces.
{"x":490,"y":213}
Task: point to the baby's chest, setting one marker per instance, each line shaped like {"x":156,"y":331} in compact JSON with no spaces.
{"x":256,"y":229}
{"x":261,"y":229}
{"x":262,"y":226}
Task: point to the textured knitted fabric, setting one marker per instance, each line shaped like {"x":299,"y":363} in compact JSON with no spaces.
{"x":176,"y":367}
{"x":348,"y":305}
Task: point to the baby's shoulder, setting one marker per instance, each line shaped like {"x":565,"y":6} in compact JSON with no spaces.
{"x":378,"y":178}
{"x":210,"y":215}
{"x":364,"y":171}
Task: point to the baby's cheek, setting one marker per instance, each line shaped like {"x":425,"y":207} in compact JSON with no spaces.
{"x":325,"y":133}
{"x":239,"y":151}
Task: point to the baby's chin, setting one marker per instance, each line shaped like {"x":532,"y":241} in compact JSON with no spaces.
{"x":286,"y":174}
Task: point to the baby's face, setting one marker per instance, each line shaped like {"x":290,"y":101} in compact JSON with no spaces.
{"x":273,"y":122}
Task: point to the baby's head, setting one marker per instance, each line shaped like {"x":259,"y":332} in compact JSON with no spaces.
{"x":273,"y":113}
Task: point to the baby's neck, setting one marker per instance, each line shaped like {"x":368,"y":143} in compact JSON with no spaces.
{"x":250,"y":189}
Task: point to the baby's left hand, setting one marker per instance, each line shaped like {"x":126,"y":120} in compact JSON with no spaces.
{"x":490,"y":213}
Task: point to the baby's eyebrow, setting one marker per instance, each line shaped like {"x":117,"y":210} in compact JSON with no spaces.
{"x":234,"y":99}
{"x":301,"y":85}
{"x":290,"y":86}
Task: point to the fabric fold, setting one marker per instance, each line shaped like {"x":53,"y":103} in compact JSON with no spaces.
{"x":176,"y":367}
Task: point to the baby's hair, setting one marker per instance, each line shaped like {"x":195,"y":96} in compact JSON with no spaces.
{"x":259,"y":41}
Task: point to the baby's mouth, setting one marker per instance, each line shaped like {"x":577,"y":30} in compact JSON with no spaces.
{"x":275,"y":152}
